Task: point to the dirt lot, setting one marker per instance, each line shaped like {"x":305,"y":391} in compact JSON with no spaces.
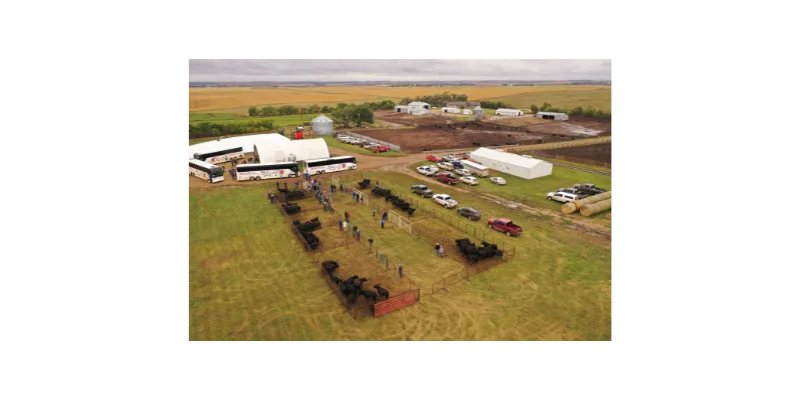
{"x":598,"y":152}
{"x":430,"y":133}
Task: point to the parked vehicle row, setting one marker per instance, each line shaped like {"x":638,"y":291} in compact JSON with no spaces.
{"x":577,"y":192}
{"x":503,"y":225}
{"x":374,"y":147}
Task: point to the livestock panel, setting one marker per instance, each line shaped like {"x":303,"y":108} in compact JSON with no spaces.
{"x":395,"y":303}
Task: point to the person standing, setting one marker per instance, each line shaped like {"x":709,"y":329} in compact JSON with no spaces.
{"x":437,"y":247}
{"x":340,"y":225}
{"x":373,"y":212}
{"x":347,"y":216}
{"x":358,"y":235}
{"x":344,"y":225}
{"x":370,"y":243}
{"x":382,"y":222}
{"x":400,"y":271}
{"x":385,"y":215}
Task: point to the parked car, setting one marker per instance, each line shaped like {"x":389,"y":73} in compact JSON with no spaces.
{"x":457,"y":165}
{"x":469,"y":212}
{"x":444,"y":200}
{"x":446,"y":165}
{"x":343,"y":138}
{"x":463,"y":172}
{"x":432,"y":168}
{"x":568,"y":190}
{"x":447,"y":178}
{"x":505,"y":225}
{"x":425,"y":171}
{"x":422,"y":190}
{"x":497,"y":180}
{"x":469,"y":180}
{"x":380,"y":149}
{"x":434,"y":158}
{"x":451,"y":157}
{"x":369,"y":145}
{"x":562,"y":197}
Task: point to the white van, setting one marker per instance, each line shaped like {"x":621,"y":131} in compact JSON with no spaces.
{"x":562,"y":197}
{"x":475,"y":168}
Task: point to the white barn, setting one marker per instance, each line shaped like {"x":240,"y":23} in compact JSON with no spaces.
{"x":419,"y":104}
{"x":513,"y":164}
{"x":451,"y":110}
{"x":508,"y":112}
{"x":552,"y":115}
{"x":247,"y":143}
{"x":401,"y":109}
{"x":294,"y":150}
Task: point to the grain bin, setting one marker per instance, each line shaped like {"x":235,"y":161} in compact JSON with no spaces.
{"x":478,"y":113}
{"x":322,"y":125}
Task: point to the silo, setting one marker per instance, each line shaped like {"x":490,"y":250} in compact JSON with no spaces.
{"x":478,"y":113}
{"x":322,"y":125}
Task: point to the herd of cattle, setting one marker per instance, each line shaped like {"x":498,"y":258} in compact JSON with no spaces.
{"x":291,"y":208}
{"x":306,"y":229}
{"x":396,"y":200}
{"x":474,"y":253}
{"x":351,"y":287}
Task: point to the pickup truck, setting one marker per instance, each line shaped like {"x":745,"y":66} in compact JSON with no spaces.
{"x":447,"y":178}
{"x":380,"y":149}
{"x":422,"y":190}
{"x":434,"y":158}
{"x":505,"y":225}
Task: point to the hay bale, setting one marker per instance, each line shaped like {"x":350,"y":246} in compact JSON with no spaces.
{"x":569,"y":208}
{"x":592,"y":199}
{"x":591,"y":209}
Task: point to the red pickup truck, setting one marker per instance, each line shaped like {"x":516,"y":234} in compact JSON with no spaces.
{"x":380,"y":149}
{"x":434,"y":158}
{"x":505,"y":225}
{"x":447,"y":178}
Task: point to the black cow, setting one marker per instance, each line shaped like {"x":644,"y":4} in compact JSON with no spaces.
{"x":369,"y":295}
{"x":382,"y":291}
{"x":351,"y":279}
{"x":358,"y":282}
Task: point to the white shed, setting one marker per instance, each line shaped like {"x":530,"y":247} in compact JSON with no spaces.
{"x":401,"y":109}
{"x":508,"y":112}
{"x":451,"y":110}
{"x":466,"y":112}
{"x":552,"y":115}
{"x":513,"y":164}
{"x":294,"y":150}
{"x":419,"y":104}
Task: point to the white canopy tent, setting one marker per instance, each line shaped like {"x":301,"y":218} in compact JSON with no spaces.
{"x":294,"y":150}
{"x":513,"y":164}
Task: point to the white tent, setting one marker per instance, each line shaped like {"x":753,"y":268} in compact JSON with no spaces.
{"x":513,"y":164}
{"x":247,"y":143}
{"x":293,"y":150}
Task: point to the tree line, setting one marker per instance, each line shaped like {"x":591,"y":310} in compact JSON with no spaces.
{"x":210,"y":129}
{"x":495,"y":104}
{"x":270,"y":111}
{"x":436,"y":100}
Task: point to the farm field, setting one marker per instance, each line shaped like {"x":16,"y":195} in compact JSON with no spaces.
{"x":250,"y":278}
{"x":532,"y":192}
{"x":598,"y":152}
{"x":237,"y":100}
{"x":598,"y":97}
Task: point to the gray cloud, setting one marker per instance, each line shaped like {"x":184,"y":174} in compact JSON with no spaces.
{"x":398,"y":70}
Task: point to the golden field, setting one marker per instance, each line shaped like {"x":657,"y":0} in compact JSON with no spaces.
{"x":237,"y":100}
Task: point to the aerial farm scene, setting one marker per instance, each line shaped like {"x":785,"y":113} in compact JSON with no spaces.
{"x":327,"y":202}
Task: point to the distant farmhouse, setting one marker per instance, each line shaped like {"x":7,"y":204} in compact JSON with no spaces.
{"x":463,"y":104}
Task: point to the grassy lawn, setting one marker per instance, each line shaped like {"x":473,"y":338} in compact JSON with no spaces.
{"x":335,"y":144}
{"x":251,"y":280}
{"x":533,"y":192}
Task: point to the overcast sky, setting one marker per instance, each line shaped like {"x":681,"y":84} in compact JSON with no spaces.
{"x":399,"y":70}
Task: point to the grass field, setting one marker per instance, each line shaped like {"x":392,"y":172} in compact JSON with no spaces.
{"x":251,"y":280}
{"x":598,"y":97}
{"x":237,"y":100}
{"x":335,"y":144}
{"x":533,"y":192}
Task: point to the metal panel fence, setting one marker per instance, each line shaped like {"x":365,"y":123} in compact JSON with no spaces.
{"x":391,"y":146}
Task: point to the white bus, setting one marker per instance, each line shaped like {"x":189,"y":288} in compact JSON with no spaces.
{"x":220,"y":156}
{"x":204,"y":170}
{"x":477,"y":169}
{"x":333,"y":164}
{"x":257,"y":172}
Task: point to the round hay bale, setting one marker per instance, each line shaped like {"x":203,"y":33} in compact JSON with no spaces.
{"x":569,"y":208}
{"x":591,"y":209}
{"x":592,"y":199}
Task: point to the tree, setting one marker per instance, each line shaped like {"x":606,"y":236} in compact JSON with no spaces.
{"x":576,"y":111}
{"x":534,"y":109}
{"x":287,"y":110}
{"x":545,"y":106}
{"x":268,"y":112}
{"x":314,"y":109}
{"x":252,"y":111}
{"x":326,"y":109}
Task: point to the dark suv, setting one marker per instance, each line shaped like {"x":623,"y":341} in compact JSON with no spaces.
{"x":422,"y":190}
{"x":469,"y":212}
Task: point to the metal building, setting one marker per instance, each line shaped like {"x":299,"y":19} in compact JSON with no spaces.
{"x":419,"y":104}
{"x":508,"y":112}
{"x":513,"y":164}
{"x":552,"y":115}
{"x":451,"y":110}
{"x":322,"y":125}
{"x":401,"y":109}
